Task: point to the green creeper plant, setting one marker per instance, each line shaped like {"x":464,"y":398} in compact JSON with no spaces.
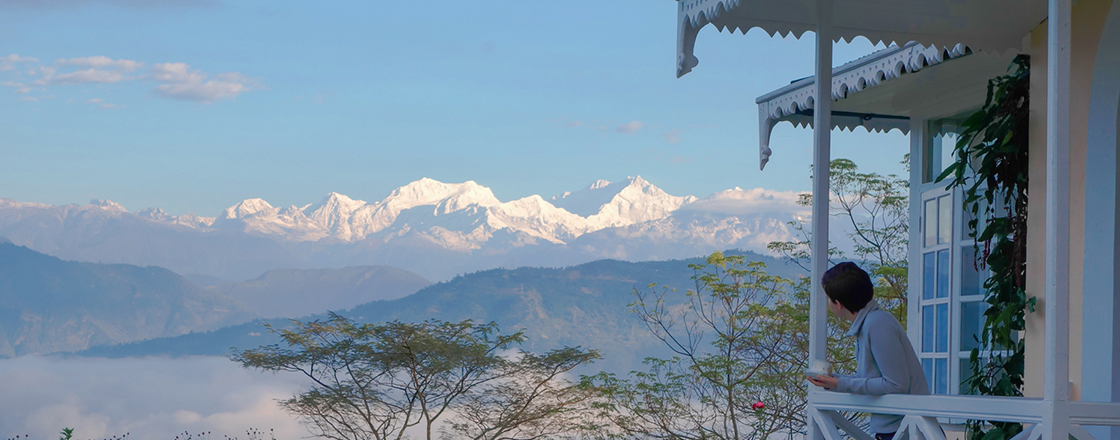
{"x":991,"y":167}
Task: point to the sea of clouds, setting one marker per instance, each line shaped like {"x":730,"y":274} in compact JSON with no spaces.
{"x":149,"y":398}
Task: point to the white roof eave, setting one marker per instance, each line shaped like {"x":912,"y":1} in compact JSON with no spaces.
{"x":790,"y":103}
{"x":995,"y":26}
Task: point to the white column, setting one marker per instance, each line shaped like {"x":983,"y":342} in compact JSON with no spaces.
{"x":1100,"y":358}
{"x":822,"y":126}
{"x":917,"y":171}
{"x":1056,"y":382}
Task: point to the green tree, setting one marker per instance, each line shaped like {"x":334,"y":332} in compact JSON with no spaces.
{"x":534,"y":400}
{"x":740,"y":345}
{"x":375,"y":381}
{"x":877,"y":208}
{"x":741,"y":337}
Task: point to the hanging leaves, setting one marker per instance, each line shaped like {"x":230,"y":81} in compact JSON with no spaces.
{"x":992,"y":168}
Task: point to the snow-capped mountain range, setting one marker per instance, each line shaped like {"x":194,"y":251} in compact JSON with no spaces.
{"x":425,"y":222}
{"x":459,"y":216}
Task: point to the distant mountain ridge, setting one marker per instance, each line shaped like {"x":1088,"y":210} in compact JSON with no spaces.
{"x":428,"y":227}
{"x":49,"y":305}
{"x":586,"y":305}
{"x":289,"y":293}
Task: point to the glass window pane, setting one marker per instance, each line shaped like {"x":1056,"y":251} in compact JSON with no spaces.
{"x":929,"y":276}
{"x":927,"y":329}
{"x":939,"y":145}
{"x":942,"y":380}
{"x":927,"y":368}
{"x":945,"y":223}
{"x":930,"y":222}
{"x":942,"y":328}
{"x":966,"y":372}
{"x":972,"y":322}
{"x":948,"y":147}
{"x":943,"y":274}
{"x":934,"y":167}
{"x":970,"y":277}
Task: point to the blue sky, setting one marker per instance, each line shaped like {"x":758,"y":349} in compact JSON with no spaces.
{"x":195,"y":105}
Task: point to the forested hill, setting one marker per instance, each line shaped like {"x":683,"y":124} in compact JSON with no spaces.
{"x":581,"y":305}
{"x":49,"y":305}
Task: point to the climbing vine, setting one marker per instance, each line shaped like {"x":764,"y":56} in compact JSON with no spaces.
{"x":991,"y":167}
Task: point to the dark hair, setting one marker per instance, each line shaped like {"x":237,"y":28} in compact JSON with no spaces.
{"x":848,"y":285}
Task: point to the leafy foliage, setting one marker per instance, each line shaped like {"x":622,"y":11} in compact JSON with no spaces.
{"x":877,"y":208}
{"x":991,"y":166}
{"x":740,"y":351}
{"x":375,"y":381}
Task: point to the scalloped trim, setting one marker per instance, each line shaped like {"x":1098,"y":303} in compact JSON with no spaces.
{"x":785,"y":104}
{"x":693,"y":15}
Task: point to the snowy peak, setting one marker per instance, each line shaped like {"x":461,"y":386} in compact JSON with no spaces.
{"x":637,"y":201}
{"x":333,"y":210}
{"x":193,"y":220}
{"x":107,"y":204}
{"x":452,"y":196}
{"x":587,"y":202}
{"x":248,"y":207}
{"x":154,"y":214}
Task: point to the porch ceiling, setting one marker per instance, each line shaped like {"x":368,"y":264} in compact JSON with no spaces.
{"x":884,"y":90}
{"x":988,"y":25}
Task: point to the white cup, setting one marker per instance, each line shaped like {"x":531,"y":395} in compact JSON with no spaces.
{"x":818,"y":367}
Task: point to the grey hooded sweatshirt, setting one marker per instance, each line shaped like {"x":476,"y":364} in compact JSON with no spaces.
{"x":886,"y":363}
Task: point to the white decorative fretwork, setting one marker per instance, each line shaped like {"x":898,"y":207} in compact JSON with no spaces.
{"x":789,"y":104}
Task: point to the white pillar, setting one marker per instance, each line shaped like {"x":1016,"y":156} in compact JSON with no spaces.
{"x":1056,"y":382}
{"x":1100,"y":358}
{"x":822,"y":126}
{"x":917,"y":167}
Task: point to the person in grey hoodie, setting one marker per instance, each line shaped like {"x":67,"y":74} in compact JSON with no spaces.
{"x":885,"y":360}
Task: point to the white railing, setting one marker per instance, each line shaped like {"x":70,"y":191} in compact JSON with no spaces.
{"x":921,"y":414}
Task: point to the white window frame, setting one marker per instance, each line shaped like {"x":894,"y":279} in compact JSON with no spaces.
{"x":958,"y":243}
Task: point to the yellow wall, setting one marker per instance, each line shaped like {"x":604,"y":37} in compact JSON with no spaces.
{"x":1088,"y":21}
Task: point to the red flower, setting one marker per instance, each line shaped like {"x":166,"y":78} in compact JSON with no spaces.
{"x":758,"y":405}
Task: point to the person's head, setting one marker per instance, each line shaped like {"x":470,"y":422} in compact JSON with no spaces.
{"x":848,"y":285}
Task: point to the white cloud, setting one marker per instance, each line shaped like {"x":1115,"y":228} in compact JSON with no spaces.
{"x":175,"y":73}
{"x":88,"y":76}
{"x":175,"y":80}
{"x":101,"y":103}
{"x":672,"y":136}
{"x":630,"y":127}
{"x":147,"y":397}
{"x":102,"y":62}
{"x":180,"y":82}
{"x":740,"y":201}
{"x":19,"y":87}
{"x":8,"y":62}
{"x":45,"y":74}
